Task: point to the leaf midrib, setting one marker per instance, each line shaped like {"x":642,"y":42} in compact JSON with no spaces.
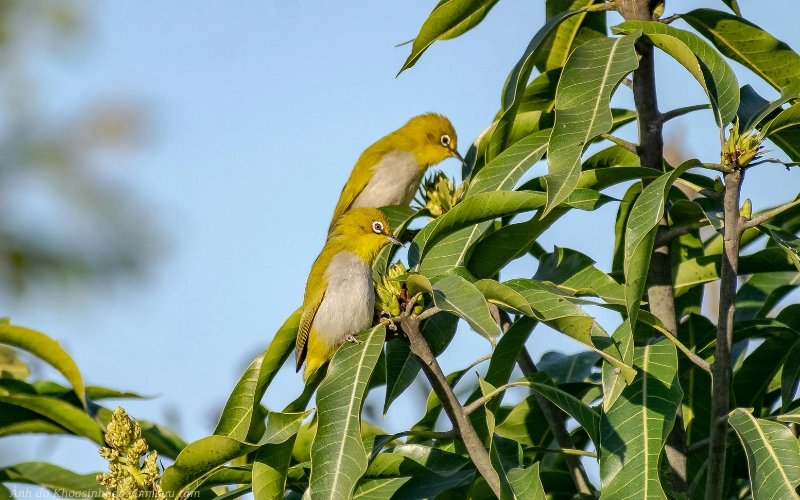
{"x":340,"y":455}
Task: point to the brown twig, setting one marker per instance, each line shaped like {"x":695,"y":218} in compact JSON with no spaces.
{"x":452,"y":407}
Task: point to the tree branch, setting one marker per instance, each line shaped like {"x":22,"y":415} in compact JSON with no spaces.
{"x":717,"y":166}
{"x":660,"y":293}
{"x":633,"y":148}
{"x":553,"y":415}
{"x":761,"y":218}
{"x":452,"y":407}
{"x":700,"y":190}
{"x":721,"y":368}
{"x":665,"y":237}
{"x":674,"y":113}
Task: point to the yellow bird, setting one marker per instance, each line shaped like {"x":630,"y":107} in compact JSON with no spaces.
{"x":339,"y":296}
{"x":389,"y":171}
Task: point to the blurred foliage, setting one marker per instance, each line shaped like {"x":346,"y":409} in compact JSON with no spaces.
{"x":64,"y":221}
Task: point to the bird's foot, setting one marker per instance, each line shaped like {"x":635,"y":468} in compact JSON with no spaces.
{"x":385,"y":317}
{"x":352,"y":338}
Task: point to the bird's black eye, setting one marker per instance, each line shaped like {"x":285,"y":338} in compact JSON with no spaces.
{"x":445,"y":140}
{"x":377,"y":227}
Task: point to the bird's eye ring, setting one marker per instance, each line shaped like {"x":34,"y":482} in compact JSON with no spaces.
{"x":377,"y":227}
{"x":445,"y":140}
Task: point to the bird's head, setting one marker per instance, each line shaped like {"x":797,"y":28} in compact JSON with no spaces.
{"x":364,"y":231}
{"x":433,"y":138}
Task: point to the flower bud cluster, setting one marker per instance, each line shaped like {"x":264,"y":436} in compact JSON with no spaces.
{"x":741,"y":149}
{"x":391,"y":294}
{"x":129,"y":477}
{"x":439,"y":195}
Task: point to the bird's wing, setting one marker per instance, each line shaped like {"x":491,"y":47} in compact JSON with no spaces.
{"x":358,"y":180}
{"x":314,"y":294}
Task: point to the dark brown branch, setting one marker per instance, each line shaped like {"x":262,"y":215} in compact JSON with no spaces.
{"x":452,"y":407}
{"x":721,"y":368}
{"x":553,"y":415}
{"x":627,"y":82}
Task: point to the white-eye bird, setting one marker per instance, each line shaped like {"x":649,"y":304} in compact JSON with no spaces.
{"x":389,"y":171}
{"x":340,"y":297}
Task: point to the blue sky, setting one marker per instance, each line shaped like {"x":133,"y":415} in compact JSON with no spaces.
{"x":258,"y":112}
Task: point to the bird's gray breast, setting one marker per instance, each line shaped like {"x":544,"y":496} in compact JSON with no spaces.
{"x":349,"y":300}
{"x":394,"y":180}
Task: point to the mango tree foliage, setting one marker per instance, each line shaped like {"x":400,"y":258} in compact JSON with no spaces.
{"x":634,"y":399}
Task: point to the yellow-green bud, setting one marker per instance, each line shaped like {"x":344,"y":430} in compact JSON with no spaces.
{"x":747,"y":209}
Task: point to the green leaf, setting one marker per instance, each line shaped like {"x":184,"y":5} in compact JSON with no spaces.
{"x":451,"y":251}
{"x":54,"y":478}
{"x":786,"y":240}
{"x":504,"y":171}
{"x":565,"y":369}
{"x":64,"y":414}
{"x":784,"y":131}
{"x":734,"y":6}
{"x":491,"y":205}
{"x":582,"y":108}
{"x":433,"y":407}
{"x":753,"y":108}
{"x":569,"y":404}
{"x":501,"y":365}
{"x":526,"y":483}
{"x":237,"y":415}
{"x":790,"y":376}
{"x":704,"y":63}
{"x":571,"y":33}
{"x":209,"y":454}
{"x":634,"y":430}
{"x":411,"y":488}
{"x":456,"y":295}
{"x":514,"y":88}
{"x":747,"y":44}
{"x":640,"y":233}
{"x":449,"y":19}
{"x":751,"y":380}
{"x":575,"y":273}
{"x":338,"y":458}
{"x":614,"y":156}
{"x":46,"y":349}
{"x":564,"y":316}
{"x":773,"y":455}
{"x":401,"y":366}
{"x":526,"y":424}
{"x":759,"y":294}
{"x":509,"y":242}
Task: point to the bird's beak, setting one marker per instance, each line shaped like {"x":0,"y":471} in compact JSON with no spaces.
{"x":394,"y":240}
{"x":455,"y":154}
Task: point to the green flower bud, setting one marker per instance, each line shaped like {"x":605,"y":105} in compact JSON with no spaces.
{"x":439,"y":195}
{"x":741,"y":149}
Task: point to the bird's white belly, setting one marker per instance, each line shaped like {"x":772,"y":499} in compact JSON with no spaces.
{"x":394,"y":180}
{"x":349,"y":300}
